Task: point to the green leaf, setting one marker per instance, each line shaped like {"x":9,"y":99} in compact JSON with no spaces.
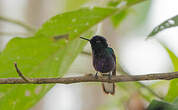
{"x":130,"y":13}
{"x":73,"y":22}
{"x":141,"y":13}
{"x":130,"y":2}
{"x":173,"y":90}
{"x":160,"y":105}
{"x":174,"y":59}
{"x":172,"y":22}
{"x":176,"y":102}
{"x":113,"y":3}
{"x":37,"y":57}
{"x":173,"y":87}
{"x":71,"y":5}
{"x":43,"y":56}
{"x":119,"y":17}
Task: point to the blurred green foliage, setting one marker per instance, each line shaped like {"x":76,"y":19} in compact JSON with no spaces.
{"x":171,"y":22}
{"x":173,"y":87}
{"x":119,"y":17}
{"x":160,"y":105}
{"x":71,"y":5}
{"x":141,"y":9}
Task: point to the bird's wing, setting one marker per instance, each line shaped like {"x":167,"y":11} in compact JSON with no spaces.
{"x":113,"y":55}
{"x":110,"y":87}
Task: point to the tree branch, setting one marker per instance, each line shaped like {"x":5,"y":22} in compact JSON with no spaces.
{"x":91,"y":78}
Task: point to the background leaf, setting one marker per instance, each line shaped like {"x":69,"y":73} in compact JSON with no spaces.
{"x":172,"y":22}
{"x":71,"y":5}
{"x":119,"y":17}
{"x":173,"y":87}
{"x":160,"y":105}
{"x":174,"y":59}
{"x":75,"y":22}
{"x":43,"y":56}
{"x":135,"y":15}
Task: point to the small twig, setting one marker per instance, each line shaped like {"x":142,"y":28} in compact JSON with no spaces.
{"x":91,"y":78}
{"x":20,"y":73}
{"x":26,"y":26}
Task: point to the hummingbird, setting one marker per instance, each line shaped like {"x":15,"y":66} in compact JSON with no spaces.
{"x":104,"y":61}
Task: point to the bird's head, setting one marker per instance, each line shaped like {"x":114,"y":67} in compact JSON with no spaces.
{"x":97,"y":42}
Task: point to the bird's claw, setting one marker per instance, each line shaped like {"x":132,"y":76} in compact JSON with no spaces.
{"x":110,"y":75}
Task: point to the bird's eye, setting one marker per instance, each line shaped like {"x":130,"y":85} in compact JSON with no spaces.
{"x":98,"y":41}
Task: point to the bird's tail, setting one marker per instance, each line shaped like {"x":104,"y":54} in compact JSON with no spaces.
{"x":109,"y":88}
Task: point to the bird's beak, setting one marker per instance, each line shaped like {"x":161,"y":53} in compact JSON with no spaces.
{"x":85,"y":38}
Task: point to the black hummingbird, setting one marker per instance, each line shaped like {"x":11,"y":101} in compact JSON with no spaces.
{"x":104,"y":60}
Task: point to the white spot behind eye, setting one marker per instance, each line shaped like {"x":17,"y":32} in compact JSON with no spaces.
{"x":98,"y":41}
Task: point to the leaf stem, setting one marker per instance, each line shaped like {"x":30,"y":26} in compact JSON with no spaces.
{"x":14,"y":33}
{"x":13,"y":21}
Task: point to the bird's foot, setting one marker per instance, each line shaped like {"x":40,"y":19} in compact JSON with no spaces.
{"x":109,"y":76}
{"x":96,"y":75}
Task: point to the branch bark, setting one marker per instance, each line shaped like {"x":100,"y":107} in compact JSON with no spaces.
{"x":91,"y":78}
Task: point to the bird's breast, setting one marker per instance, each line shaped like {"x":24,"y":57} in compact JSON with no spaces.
{"x":103,"y":63}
